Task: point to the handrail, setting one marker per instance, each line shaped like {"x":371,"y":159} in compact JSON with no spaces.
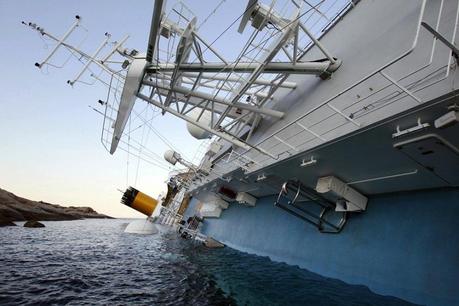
{"x":401,"y":56}
{"x":409,"y":90}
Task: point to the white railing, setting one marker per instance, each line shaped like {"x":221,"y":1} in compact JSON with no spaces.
{"x":393,"y":91}
{"x":383,"y":96}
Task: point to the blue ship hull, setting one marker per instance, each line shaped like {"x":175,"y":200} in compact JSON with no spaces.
{"x":405,"y":245}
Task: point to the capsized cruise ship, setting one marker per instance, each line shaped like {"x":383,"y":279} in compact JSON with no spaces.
{"x":331,"y":133}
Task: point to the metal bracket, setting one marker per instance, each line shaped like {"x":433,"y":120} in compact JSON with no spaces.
{"x":415,"y":128}
{"x":261,"y":177}
{"x":310,"y":162}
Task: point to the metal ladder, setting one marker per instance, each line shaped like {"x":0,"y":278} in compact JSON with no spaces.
{"x":310,"y":206}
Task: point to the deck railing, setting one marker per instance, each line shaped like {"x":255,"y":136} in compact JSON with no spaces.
{"x":394,"y":90}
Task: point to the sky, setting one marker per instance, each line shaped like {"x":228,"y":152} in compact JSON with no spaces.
{"x":50,"y":148}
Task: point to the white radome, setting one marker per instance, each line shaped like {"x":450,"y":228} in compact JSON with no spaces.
{"x":143,"y":227}
{"x":205,"y":119}
{"x":172,"y":157}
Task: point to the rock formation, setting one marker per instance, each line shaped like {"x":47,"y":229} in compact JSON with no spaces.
{"x":14,"y":208}
{"x":33,"y":224}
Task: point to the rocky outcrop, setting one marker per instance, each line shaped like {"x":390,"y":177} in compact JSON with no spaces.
{"x":33,"y":224}
{"x":6,"y":222}
{"x":14,"y":208}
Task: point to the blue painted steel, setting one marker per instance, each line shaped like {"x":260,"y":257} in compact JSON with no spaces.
{"x":405,"y":244}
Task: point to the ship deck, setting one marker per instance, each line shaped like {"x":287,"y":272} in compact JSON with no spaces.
{"x":372,"y":159}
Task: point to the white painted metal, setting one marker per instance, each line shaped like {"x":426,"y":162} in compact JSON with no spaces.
{"x":128,"y":96}
{"x":278,"y":43}
{"x":318,"y":44}
{"x":142,"y":227}
{"x":86,"y":66}
{"x":227,"y":137}
{"x":210,"y":210}
{"x":401,"y":87}
{"x":206,"y":85}
{"x":217,"y":77}
{"x":209,"y":46}
{"x":447,"y":119}
{"x":214,"y":148}
{"x":83,"y":56}
{"x":412,"y":129}
{"x":206,"y":96}
{"x":386,"y":177}
{"x":116,"y":48}
{"x":183,"y":49}
{"x":229,"y":76}
{"x":222,"y":203}
{"x":158,"y":12}
{"x":308,"y":162}
{"x":326,"y":103}
{"x":261,"y":177}
{"x":205,"y":117}
{"x":246,"y":199}
{"x":61,"y":41}
{"x":340,"y":192}
{"x":251,"y":7}
{"x":318,"y":111}
{"x":172,"y":157}
{"x":314,"y":68}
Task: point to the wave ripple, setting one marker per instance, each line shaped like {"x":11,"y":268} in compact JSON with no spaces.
{"x":94,"y":262}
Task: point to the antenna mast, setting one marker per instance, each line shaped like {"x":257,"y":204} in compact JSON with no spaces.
{"x":190,"y":79}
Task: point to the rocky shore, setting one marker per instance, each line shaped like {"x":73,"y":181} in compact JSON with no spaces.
{"x":14,"y":208}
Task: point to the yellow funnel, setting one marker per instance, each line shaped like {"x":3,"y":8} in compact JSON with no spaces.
{"x":139,"y":201}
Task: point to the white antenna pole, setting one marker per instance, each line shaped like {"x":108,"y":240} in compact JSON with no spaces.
{"x":60,"y":42}
{"x":115,"y":48}
{"x":91,"y":59}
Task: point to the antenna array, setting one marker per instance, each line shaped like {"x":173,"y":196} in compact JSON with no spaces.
{"x":185,"y":75}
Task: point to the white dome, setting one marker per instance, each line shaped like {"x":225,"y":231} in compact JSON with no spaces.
{"x":171,"y":156}
{"x":205,"y":119}
{"x":143,"y":227}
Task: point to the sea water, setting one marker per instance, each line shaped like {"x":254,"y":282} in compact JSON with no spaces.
{"x":94,"y":262}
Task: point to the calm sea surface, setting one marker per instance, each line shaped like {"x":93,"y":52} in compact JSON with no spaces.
{"x":94,"y":262}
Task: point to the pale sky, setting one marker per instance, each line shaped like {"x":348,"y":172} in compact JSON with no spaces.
{"x":50,"y":148}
